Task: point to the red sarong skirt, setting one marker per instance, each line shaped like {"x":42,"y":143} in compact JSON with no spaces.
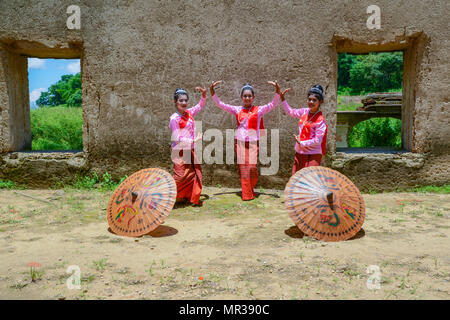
{"x":305,"y":160}
{"x":247,"y":159}
{"x":188,"y":177}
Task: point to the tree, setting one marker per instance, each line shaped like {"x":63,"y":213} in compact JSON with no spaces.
{"x":373,"y":72}
{"x":66,"y":91}
{"x":345,"y":62}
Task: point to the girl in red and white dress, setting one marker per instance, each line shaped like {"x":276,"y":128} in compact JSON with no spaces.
{"x":312,"y":129}
{"x":249,"y":121}
{"x":187,"y":169}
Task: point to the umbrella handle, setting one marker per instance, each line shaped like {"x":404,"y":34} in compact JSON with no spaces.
{"x":330,"y":199}
{"x":134,"y":195}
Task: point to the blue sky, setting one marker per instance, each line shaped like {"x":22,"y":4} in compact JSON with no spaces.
{"x":42,"y":73}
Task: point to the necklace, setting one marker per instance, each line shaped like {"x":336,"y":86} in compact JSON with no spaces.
{"x":309,"y":120}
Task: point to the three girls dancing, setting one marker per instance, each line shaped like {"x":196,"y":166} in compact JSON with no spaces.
{"x":309,"y":147}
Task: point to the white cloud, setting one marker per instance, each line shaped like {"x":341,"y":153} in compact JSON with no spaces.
{"x":73,"y":67}
{"x":36,"y":93}
{"x":35,"y":63}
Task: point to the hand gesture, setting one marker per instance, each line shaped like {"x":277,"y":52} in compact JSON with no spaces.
{"x":275,"y":84}
{"x":283,"y":93}
{"x":211,"y":87}
{"x":202,"y":90}
{"x":297,"y":138}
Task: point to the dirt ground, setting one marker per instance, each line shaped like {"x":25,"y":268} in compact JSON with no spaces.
{"x":227,"y":249}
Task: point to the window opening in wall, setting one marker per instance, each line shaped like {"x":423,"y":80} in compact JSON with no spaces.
{"x":369,"y":108}
{"x":56,"y":119}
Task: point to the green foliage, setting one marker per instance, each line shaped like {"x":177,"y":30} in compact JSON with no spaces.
{"x":351,"y":106}
{"x":66,"y":91}
{"x":86,"y":182}
{"x":57,"y":128}
{"x":8,"y":185}
{"x":345,"y":63}
{"x":445,"y":189}
{"x":373,"y":72}
{"x":35,"y":274}
{"x":344,"y":91}
{"x":106,"y":182}
{"x":376,"y":132}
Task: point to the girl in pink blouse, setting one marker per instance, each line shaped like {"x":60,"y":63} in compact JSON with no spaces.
{"x":249,"y":120}
{"x":312,"y":129}
{"x":187,"y":169}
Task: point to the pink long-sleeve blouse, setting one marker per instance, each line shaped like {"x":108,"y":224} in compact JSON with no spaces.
{"x":243,"y":133}
{"x":315,"y":144}
{"x":183,"y":126}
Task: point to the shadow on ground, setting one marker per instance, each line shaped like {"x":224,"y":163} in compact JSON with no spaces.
{"x":159,"y":232}
{"x":295,"y":232}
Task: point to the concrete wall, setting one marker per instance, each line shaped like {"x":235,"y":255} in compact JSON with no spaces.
{"x":135,"y":53}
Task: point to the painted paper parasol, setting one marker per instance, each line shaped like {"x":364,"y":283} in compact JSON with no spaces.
{"x":324,"y":204}
{"x":141,"y":202}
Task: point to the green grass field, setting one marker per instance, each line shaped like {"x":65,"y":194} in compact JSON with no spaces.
{"x":57,"y":128}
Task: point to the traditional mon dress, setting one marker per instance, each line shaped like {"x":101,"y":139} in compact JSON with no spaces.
{"x":246,"y":140}
{"x":313,"y":137}
{"x":187,"y":169}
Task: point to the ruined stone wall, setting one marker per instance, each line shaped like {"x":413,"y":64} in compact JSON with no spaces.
{"x":134,"y":54}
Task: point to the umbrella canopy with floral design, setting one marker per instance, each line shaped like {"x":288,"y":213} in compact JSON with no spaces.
{"x":324,"y":204}
{"x":141,"y":202}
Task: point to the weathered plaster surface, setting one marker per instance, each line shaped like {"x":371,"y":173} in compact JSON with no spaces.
{"x":135,"y":53}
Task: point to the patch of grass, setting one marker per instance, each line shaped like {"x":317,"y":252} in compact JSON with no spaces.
{"x":414,"y":288}
{"x":99,"y":265}
{"x":351,"y":273}
{"x":437,"y":213}
{"x":92,"y":182}
{"x":88,"y":278}
{"x":35,"y":274}
{"x":75,"y":204}
{"x":8,"y":184}
{"x":10,"y":221}
{"x":56,"y":128}
{"x":371,"y":191}
{"x":86,"y":182}
{"x":301,"y":255}
{"x":19,"y":285}
{"x":223,"y":206}
{"x":351,"y":106}
{"x":150,"y":269}
{"x":445,"y":189}
{"x":385,"y":280}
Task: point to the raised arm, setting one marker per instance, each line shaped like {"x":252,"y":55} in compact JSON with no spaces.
{"x":228,"y":108}
{"x":268,"y":107}
{"x":200,"y":105}
{"x":296,"y":113}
